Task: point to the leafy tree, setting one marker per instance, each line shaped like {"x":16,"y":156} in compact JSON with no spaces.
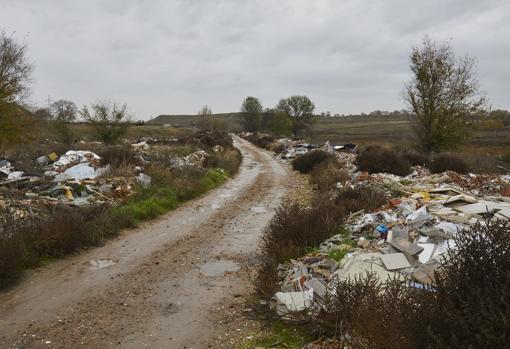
{"x":109,"y":121}
{"x":252,"y":111}
{"x":442,"y":94}
{"x":63,"y":112}
{"x":15,"y":73}
{"x":15,"y":70}
{"x":280,"y":124}
{"x":300,"y":108}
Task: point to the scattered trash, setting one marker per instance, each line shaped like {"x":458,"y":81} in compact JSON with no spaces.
{"x":143,"y":180}
{"x":79,"y":178}
{"x":407,"y":238}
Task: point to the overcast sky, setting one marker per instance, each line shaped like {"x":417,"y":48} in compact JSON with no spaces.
{"x":170,"y":56}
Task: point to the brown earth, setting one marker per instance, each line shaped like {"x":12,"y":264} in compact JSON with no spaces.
{"x":166,"y":284}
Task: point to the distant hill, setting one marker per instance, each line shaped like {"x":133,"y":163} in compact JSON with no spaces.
{"x":233,"y":120}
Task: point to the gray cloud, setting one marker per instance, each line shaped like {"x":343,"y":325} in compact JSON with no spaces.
{"x":174,"y":56}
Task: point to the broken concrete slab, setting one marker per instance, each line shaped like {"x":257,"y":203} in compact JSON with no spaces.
{"x":289,"y":302}
{"x":426,"y":254}
{"x":359,"y":264}
{"x":318,"y":287}
{"x":459,"y":200}
{"x":425,"y":274}
{"x":395,"y":261}
{"x":404,"y":245}
{"x":482,"y":207}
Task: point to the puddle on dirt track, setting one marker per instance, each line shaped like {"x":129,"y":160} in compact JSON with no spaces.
{"x":218,"y":267}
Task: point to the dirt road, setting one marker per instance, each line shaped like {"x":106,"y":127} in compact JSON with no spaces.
{"x":157,"y":286}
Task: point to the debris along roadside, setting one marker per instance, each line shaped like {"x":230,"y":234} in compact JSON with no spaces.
{"x":408,"y":238}
{"x":83,"y":178}
{"x":62,"y":204}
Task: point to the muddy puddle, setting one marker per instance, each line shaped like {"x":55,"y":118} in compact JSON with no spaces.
{"x":218,"y":267}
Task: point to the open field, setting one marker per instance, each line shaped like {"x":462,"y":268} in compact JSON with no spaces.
{"x":386,"y":130}
{"x":392,"y":132}
{"x":233,"y":120}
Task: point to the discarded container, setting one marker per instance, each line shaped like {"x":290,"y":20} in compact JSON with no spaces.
{"x":143,"y":180}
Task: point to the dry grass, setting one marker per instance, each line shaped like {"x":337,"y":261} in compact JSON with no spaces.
{"x":327,"y":174}
{"x":229,"y":159}
{"x":24,"y":244}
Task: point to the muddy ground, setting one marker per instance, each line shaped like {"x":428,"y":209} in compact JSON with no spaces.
{"x":172,"y":283}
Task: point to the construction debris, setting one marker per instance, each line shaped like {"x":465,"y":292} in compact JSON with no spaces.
{"x":408,"y":238}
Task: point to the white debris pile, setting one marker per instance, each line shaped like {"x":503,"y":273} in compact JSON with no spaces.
{"x":195,"y":159}
{"x":78,"y":165}
{"x":8,"y":172}
{"x":408,"y":238}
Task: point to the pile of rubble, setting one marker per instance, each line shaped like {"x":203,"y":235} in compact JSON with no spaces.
{"x":408,"y":238}
{"x":75,"y":178}
{"x":79,"y":178}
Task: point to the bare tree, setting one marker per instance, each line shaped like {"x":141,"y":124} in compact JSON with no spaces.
{"x":63,"y":110}
{"x":205,"y":111}
{"x":15,"y":70}
{"x":110,"y":121}
{"x":442,"y":94}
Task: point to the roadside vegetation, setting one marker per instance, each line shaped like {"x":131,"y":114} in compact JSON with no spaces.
{"x":469,"y":302}
{"x":461,"y":312}
{"x":63,"y":229}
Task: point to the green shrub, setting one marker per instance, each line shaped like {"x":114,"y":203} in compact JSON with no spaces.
{"x":292,"y":230}
{"x":375,"y":159}
{"x":306,"y":162}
